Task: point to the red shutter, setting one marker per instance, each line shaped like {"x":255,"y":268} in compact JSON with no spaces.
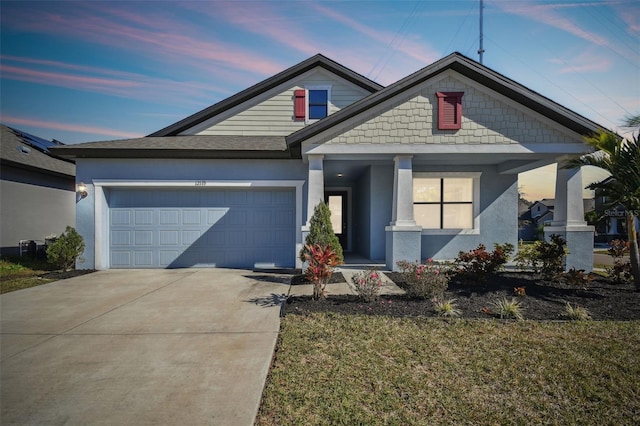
{"x":449,"y":110}
{"x":300,"y":104}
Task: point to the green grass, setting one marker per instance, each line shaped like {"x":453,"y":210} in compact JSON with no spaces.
{"x":351,"y":370}
{"x":19,"y":273}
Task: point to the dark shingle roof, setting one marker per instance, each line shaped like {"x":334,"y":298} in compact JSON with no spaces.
{"x":196,"y":146}
{"x":247,"y":94}
{"x":469,"y":68}
{"x":17,"y":149}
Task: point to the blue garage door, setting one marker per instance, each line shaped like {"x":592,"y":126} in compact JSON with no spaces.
{"x":201,"y":228}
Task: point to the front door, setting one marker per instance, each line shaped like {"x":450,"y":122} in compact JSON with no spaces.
{"x":337,"y":202}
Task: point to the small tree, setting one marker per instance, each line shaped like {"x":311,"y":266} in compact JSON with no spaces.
{"x":321,"y":233}
{"x":64,"y":251}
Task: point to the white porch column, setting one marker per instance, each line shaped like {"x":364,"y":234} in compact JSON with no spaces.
{"x":568,"y":220}
{"x":315,"y":192}
{"x":402,"y":213}
{"x":403,"y":236}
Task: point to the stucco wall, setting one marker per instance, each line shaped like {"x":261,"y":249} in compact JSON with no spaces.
{"x":362,"y":213}
{"x":498,"y":219}
{"x":381,"y":206}
{"x":88,"y":170}
{"x":487,"y":118}
{"x":33,"y":206}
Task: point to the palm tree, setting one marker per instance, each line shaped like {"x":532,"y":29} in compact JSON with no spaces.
{"x":621,"y":158}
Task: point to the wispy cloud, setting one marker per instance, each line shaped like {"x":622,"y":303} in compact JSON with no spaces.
{"x":585,"y":62}
{"x":51,"y":125}
{"x":172,"y":42}
{"x":104,"y":80}
{"x":288,"y":31}
{"x":418,"y":50}
{"x":293,"y":31}
{"x":547,"y":13}
{"x":630,"y":15}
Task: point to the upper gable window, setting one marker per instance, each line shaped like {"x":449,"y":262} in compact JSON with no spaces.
{"x":312,"y":103}
{"x":318,"y":104}
{"x":449,"y":110}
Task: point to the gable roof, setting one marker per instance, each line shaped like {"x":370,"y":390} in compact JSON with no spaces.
{"x":21,"y":149}
{"x":470,"y":69}
{"x":247,"y":94}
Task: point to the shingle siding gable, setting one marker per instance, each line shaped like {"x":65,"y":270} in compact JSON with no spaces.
{"x":411,"y":118}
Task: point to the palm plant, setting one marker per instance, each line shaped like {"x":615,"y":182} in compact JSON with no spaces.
{"x":621,"y":158}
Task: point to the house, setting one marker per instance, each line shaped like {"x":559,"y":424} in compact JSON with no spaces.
{"x":423,"y":168}
{"x":37,"y":190}
{"x":612,"y":219}
{"x":540,"y":214}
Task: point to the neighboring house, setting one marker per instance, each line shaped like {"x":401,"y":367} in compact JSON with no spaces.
{"x":540,"y":214}
{"x":423,"y":168}
{"x":542,"y":208}
{"x":612,"y":220}
{"x":37,"y":188}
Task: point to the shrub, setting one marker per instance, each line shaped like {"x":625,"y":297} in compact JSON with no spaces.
{"x":509,"y":308}
{"x":576,"y":313}
{"x":424,"y":280}
{"x":576,"y":277}
{"x":321,"y":232}
{"x":551,"y":255}
{"x":528,"y":257}
{"x":545,"y":257}
{"x":448,"y":308}
{"x":321,"y":261}
{"x":367,"y":284}
{"x":621,"y":270}
{"x":478,"y":264}
{"x":66,"y":249}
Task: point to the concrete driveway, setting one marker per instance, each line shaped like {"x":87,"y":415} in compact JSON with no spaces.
{"x":171,"y":347}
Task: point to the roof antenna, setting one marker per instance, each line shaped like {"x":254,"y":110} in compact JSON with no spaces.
{"x":481,"y":50}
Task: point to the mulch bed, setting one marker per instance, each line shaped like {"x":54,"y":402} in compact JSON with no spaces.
{"x":544,"y":300}
{"x":63,"y":275}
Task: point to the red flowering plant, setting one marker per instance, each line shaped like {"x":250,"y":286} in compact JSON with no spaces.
{"x":367,"y":284}
{"x":478,"y":264}
{"x":424,"y":280}
{"x":321,"y":260}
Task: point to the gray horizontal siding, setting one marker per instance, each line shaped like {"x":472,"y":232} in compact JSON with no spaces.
{"x":275,"y":115}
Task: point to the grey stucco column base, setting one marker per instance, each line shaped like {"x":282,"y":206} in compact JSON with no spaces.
{"x":579,"y":243}
{"x":403,"y":243}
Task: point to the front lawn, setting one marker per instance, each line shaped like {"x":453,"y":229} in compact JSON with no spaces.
{"x":16,"y":274}
{"x":359,"y":369}
{"x":19,"y":273}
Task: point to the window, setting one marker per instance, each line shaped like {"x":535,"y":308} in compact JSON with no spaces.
{"x":312,"y":103}
{"x":317,"y":104}
{"x":449,"y":110}
{"x":445,"y":202}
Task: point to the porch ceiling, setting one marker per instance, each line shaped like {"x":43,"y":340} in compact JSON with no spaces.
{"x":351,"y":166}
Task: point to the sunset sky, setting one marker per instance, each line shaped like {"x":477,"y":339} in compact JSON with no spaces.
{"x":87,"y":71}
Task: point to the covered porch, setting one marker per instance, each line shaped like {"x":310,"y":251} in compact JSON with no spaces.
{"x":373,"y":202}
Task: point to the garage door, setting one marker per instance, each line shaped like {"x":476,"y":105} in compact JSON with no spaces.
{"x":201,"y":228}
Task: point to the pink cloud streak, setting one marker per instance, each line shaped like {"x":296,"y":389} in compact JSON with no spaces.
{"x":413,"y":49}
{"x":547,"y":14}
{"x":149,"y":35}
{"x":125,"y":84}
{"x":69,"y":127}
